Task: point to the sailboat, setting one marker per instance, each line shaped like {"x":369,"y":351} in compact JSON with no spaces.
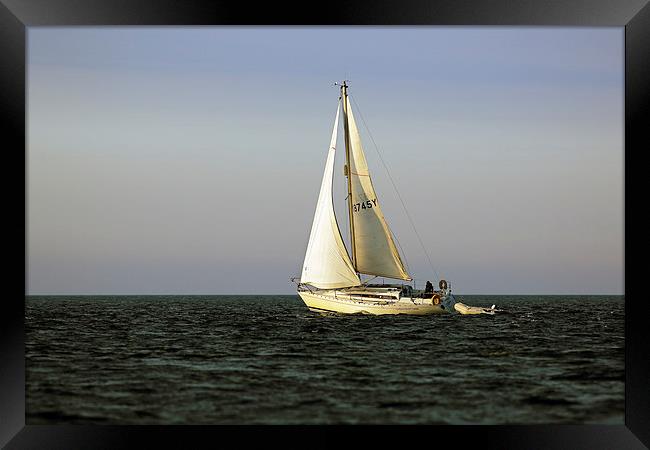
{"x":331,"y":276}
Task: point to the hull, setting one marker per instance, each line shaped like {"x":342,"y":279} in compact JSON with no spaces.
{"x":335,"y":301}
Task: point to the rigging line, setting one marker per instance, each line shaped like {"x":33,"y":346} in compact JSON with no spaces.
{"x":369,"y":280}
{"x":435,"y":272}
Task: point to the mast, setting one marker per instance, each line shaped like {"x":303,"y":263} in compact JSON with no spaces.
{"x":344,"y":97}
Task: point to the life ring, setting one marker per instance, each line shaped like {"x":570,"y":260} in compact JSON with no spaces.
{"x":443,"y":284}
{"x":436,"y":299}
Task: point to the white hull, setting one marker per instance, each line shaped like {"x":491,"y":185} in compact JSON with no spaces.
{"x":340,"y":302}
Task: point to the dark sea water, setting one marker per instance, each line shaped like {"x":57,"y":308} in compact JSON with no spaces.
{"x":269,"y":360}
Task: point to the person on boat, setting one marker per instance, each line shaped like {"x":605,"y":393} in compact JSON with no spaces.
{"x":429,"y":288}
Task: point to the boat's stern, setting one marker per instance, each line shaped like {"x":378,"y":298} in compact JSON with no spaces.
{"x":447,"y":302}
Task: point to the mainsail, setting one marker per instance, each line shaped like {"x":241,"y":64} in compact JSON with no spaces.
{"x":327,"y":264}
{"x":374,"y":251}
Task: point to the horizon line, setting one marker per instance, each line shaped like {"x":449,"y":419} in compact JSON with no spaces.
{"x":294,"y":293}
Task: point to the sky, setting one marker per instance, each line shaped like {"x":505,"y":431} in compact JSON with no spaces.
{"x":168,"y":160}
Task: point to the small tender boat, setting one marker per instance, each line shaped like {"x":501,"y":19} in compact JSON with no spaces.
{"x":331,"y":277}
{"x":462,"y":308}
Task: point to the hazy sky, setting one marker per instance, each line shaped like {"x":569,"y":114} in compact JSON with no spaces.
{"x":188,"y":160}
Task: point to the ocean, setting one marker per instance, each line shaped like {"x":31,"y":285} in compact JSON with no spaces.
{"x":269,"y":360}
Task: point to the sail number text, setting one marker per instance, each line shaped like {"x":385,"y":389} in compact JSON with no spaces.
{"x":368,"y":204}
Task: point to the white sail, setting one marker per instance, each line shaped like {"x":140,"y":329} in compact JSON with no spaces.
{"x":374,"y":248}
{"x":327,"y":264}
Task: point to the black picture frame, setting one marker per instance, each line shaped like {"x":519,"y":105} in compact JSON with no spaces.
{"x":18,"y":15}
